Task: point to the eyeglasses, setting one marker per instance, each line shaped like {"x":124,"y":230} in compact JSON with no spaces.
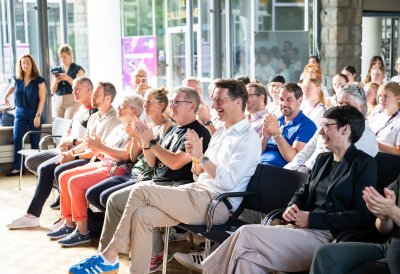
{"x":219,"y":101}
{"x":176,"y":102}
{"x":254,"y":94}
{"x":125,"y":106}
{"x":325,"y":126}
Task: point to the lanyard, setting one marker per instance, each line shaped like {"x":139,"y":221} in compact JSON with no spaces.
{"x":387,"y":123}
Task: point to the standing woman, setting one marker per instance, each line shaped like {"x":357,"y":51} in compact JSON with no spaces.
{"x":65,"y":105}
{"x":30,"y":94}
{"x":386,"y":125}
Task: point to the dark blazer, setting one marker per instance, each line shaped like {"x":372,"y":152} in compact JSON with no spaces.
{"x":344,"y":206}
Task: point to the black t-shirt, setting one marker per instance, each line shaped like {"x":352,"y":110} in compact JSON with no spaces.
{"x":174,"y":140}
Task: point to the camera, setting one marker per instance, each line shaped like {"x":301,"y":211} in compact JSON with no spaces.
{"x":56,"y":70}
{"x":143,"y":80}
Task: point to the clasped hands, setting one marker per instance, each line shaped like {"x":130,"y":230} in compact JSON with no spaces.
{"x":141,"y":130}
{"x":270,"y":126}
{"x":194,"y":145}
{"x":297,"y":216}
{"x":381,"y":206}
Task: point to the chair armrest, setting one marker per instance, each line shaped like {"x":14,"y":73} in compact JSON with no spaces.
{"x":214,"y":203}
{"x":276,"y":213}
{"x":117,"y":164}
{"x":45,"y":138}
{"x":369,"y":235}
{"x":31,"y":132}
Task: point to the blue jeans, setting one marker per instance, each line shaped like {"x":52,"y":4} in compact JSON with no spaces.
{"x":23,"y":122}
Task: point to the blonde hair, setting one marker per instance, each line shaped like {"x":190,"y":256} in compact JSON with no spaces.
{"x":160,"y":94}
{"x":20,"y":72}
{"x":392,"y":87}
{"x":317,"y":83}
{"x":65,"y":48}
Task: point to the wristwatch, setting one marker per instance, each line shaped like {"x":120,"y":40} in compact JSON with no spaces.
{"x":153,"y":142}
{"x":209,"y":122}
{"x":203,"y":161}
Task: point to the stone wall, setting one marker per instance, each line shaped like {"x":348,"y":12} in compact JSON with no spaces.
{"x":340,"y":35}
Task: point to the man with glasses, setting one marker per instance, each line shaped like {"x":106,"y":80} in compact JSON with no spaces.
{"x":255,"y":106}
{"x":283,"y":138}
{"x":170,"y":161}
{"x":226,"y":166}
{"x":351,"y":95}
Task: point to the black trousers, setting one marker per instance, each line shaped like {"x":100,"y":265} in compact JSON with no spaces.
{"x":47,"y":172}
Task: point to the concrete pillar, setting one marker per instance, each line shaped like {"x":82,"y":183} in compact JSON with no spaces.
{"x":340,"y":36}
{"x":371,"y":41}
{"x":104,"y":36}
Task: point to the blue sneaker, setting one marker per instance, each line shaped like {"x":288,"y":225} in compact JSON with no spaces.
{"x":75,"y":238}
{"x":61,"y":232}
{"x":94,"y":265}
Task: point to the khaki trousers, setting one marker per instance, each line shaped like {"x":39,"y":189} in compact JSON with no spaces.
{"x":65,"y":106}
{"x":152,"y":206}
{"x":265,"y":249}
{"x":115,"y":208}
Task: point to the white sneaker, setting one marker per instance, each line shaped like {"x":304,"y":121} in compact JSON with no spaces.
{"x":175,"y":236}
{"x":24,"y":222}
{"x":191,"y":260}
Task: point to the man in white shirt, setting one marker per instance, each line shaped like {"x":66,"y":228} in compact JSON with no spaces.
{"x":226,"y":166}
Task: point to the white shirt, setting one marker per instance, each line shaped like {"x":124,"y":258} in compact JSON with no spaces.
{"x":307,"y":156}
{"x":396,"y":79}
{"x":315,"y":112}
{"x":236,"y":152}
{"x":389,"y":134}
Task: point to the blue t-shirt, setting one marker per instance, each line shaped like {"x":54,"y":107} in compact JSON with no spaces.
{"x":300,"y":129}
{"x":27,"y":98}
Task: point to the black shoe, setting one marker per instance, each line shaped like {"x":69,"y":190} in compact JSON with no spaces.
{"x":14,"y":172}
{"x":56,"y":204}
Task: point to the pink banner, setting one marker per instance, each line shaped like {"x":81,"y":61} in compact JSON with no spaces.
{"x":139,"y":52}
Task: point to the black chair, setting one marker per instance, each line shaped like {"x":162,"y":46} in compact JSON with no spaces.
{"x":269,"y":188}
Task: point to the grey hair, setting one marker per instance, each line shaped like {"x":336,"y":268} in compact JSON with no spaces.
{"x":191,"y":94}
{"x":135,"y":101}
{"x":358,"y":93}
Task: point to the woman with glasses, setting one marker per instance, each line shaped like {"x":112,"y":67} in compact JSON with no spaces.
{"x":65,"y":105}
{"x":29,"y":95}
{"x":75,"y":182}
{"x":386,"y":125}
{"x":328,"y":203}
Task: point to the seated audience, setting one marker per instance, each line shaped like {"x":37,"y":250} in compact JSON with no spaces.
{"x":377,"y":75}
{"x":283,"y":138}
{"x":226,"y":166}
{"x":386,"y":125}
{"x":338,"y":81}
{"x":75,"y":181}
{"x":341,"y":258}
{"x":314,"y":71}
{"x":100,"y":123}
{"x":155,"y":104}
{"x":313,"y":100}
{"x":274,"y":84}
{"x":170,"y":161}
{"x":351,"y":95}
{"x":328,"y":203}
{"x":255,"y":105}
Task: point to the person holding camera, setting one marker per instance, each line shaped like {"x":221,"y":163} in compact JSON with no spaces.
{"x":139,"y":81}
{"x":65,"y":105}
{"x":29,"y":96}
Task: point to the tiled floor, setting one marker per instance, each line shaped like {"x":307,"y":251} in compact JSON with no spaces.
{"x":30,"y":251}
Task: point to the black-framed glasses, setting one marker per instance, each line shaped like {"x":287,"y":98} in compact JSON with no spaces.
{"x":176,"y":102}
{"x":324,"y":126}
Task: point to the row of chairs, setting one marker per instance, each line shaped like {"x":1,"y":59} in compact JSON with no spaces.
{"x":269,"y":191}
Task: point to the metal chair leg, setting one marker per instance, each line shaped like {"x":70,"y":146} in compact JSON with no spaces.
{"x":165,"y":256}
{"x":20,"y":171}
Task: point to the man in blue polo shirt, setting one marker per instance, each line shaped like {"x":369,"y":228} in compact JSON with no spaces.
{"x":283,"y":138}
